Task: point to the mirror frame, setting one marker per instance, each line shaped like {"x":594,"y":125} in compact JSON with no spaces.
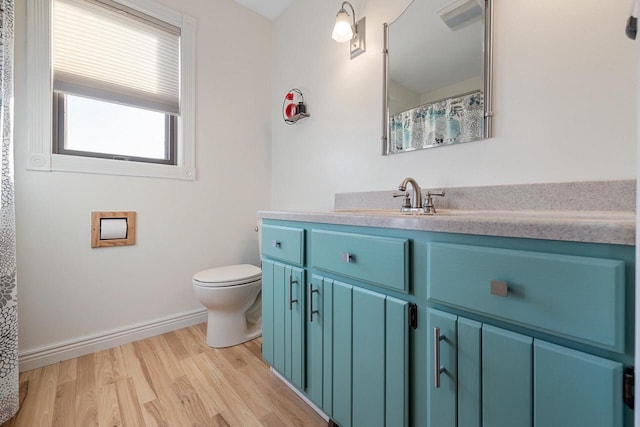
{"x":488,"y":79}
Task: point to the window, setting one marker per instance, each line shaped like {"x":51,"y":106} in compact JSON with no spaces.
{"x":120,"y":85}
{"x":89,"y":127}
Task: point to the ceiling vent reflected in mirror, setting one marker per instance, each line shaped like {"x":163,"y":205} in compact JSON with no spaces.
{"x":460,"y":13}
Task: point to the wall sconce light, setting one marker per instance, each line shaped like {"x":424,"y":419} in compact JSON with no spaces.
{"x":347,"y":29}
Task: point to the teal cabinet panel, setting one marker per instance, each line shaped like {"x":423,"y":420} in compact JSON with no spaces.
{"x":327,"y":350}
{"x":283,"y":243}
{"x":580,"y":298}
{"x":268,"y":301}
{"x":315,"y":338}
{"x":342,"y":353}
{"x":507,"y":382}
{"x":297,"y":319}
{"x":367,"y":356}
{"x":397,"y":363}
{"x":283,"y":320}
{"x":442,"y":400}
{"x":575,"y":389}
{"x":382,"y":261}
{"x":469,"y":373}
{"x":509,"y":379}
{"x":368,"y":404}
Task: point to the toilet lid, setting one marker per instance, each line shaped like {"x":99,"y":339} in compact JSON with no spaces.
{"x":228,"y":275}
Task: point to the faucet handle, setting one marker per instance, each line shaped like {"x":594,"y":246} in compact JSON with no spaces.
{"x":406,"y":203}
{"x":429,"y":208}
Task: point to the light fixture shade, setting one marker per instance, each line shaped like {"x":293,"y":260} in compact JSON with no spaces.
{"x":342,"y":32}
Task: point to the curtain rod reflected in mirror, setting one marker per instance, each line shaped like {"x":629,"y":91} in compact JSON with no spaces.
{"x":437,"y":81}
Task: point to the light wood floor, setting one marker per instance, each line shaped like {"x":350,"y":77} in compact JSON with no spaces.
{"x":169,"y":380}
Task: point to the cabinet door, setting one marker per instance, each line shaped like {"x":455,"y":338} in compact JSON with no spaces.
{"x":342,"y":356}
{"x":315,"y":337}
{"x":368,"y":358}
{"x":268,"y":317}
{"x":396,"y":363}
{"x":370,"y":343}
{"x":280,"y":317}
{"x":574,"y":389}
{"x":506,"y":378}
{"x":327,"y":345}
{"x":294,"y":325}
{"x":283,"y":317}
{"x":442,"y":398}
{"x":469,"y":373}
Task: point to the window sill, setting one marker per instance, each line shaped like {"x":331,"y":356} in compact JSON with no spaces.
{"x":79,"y":164}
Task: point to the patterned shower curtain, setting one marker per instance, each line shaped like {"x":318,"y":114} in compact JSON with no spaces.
{"x":448,"y":121}
{"x":8,"y":294}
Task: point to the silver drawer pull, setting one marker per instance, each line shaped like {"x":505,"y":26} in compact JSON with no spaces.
{"x":348,"y":258}
{"x":437,"y":369}
{"x":276,"y":243}
{"x":499,"y":288}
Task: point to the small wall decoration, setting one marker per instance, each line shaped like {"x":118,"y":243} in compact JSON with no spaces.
{"x":293,"y":107}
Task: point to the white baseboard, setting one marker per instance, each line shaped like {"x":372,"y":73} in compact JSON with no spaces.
{"x":301,"y":396}
{"x":46,"y":355}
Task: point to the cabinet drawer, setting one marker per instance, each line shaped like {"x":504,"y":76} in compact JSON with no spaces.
{"x":283,"y":243}
{"x":579,"y":298}
{"x":382,"y":261}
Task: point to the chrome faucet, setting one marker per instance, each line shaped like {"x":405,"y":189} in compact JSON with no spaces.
{"x":417,"y":192}
{"x":428,"y":208}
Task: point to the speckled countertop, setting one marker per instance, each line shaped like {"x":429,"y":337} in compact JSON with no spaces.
{"x":576,"y":226}
{"x":536,"y":211}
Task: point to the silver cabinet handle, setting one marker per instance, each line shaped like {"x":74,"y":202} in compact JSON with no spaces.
{"x":291,"y":300}
{"x":437,"y":369}
{"x":311,"y":310}
{"x":499,"y":288}
{"x":276,"y":243}
{"x":348,"y":257}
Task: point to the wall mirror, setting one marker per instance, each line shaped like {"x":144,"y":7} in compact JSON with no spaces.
{"x":437,"y":75}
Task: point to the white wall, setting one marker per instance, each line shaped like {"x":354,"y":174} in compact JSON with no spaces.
{"x":68,"y":290}
{"x":565,"y":90}
{"x":401,"y":98}
{"x":469,"y":85}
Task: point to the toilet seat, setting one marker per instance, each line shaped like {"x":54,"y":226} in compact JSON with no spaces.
{"x":230,"y":275}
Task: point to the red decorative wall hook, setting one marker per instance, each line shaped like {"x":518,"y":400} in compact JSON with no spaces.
{"x":293,"y":107}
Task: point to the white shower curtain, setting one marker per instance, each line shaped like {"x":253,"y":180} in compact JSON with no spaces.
{"x":8,"y":293}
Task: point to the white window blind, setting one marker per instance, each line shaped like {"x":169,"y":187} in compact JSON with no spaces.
{"x":113,"y":55}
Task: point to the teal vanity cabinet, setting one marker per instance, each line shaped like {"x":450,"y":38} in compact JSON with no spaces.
{"x":362,"y":334}
{"x":481,"y":374}
{"x":530,"y":332}
{"x":283,"y":284}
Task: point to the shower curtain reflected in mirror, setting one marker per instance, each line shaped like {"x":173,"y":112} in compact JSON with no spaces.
{"x":8,"y":293}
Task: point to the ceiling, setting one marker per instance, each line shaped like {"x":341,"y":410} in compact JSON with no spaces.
{"x":270,"y":9}
{"x":446,"y":56}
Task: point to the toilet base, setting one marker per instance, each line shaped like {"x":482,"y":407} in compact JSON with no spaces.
{"x":226,"y":330}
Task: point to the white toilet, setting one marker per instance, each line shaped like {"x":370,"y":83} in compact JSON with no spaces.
{"x":232,"y":294}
